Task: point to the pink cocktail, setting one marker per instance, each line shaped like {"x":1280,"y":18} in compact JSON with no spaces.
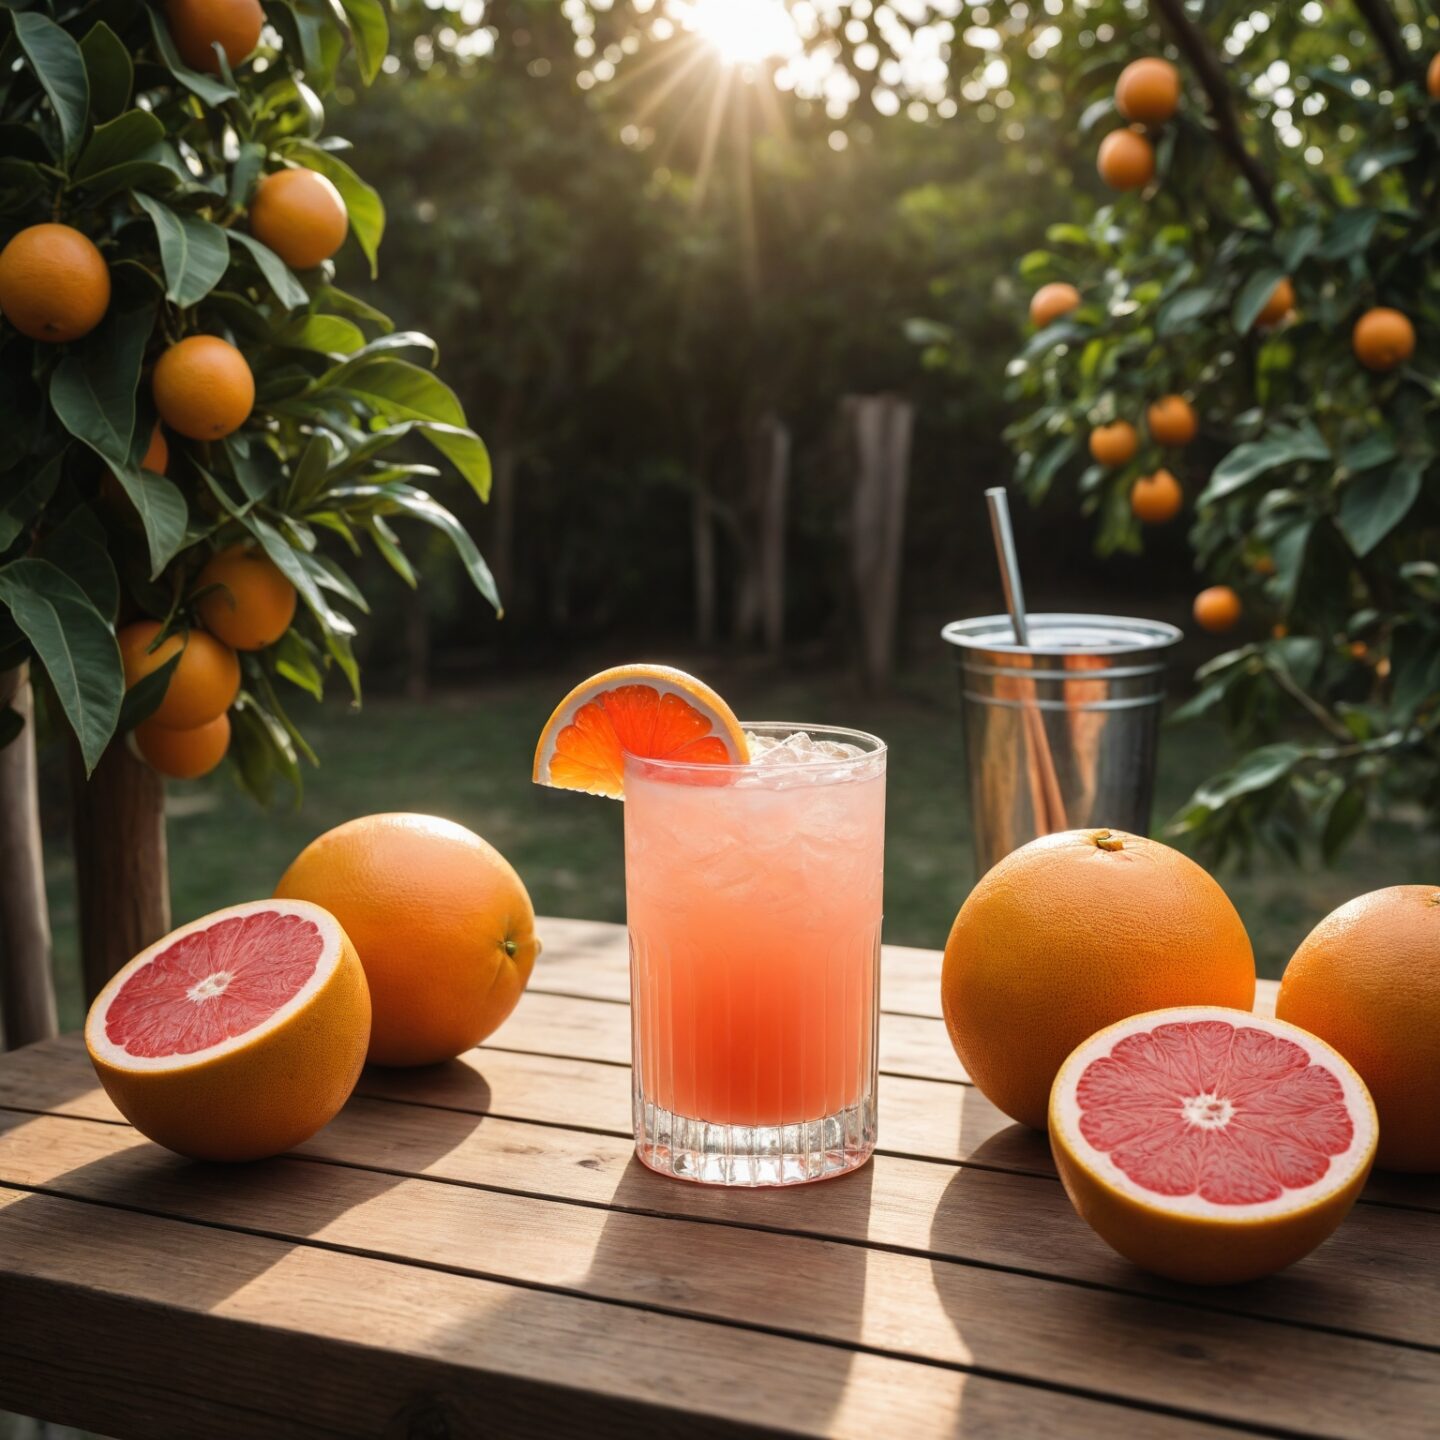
{"x":754,"y":904}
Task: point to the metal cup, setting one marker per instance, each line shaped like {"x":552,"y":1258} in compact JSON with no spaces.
{"x":1061,"y":734}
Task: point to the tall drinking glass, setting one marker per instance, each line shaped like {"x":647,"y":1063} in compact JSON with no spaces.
{"x":754,"y":900}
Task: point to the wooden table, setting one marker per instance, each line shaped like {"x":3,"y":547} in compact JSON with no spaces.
{"x":472,"y":1250}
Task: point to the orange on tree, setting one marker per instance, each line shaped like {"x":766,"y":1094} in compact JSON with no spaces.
{"x":197,"y":26}
{"x":300,"y":216}
{"x":1172,"y":421}
{"x":237,"y":1036}
{"x":441,"y":922}
{"x":1279,"y":305}
{"x":1383,"y":338}
{"x":157,"y":453}
{"x":244,"y":598}
{"x":1367,"y":980}
{"x":54,"y":283}
{"x":1148,"y":90}
{"x":1114,"y":445}
{"x":202,"y":686}
{"x":1126,"y":160}
{"x":1217,"y":609}
{"x":1052,"y":301}
{"x":1432,"y":77}
{"x":183,"y":754}
{"x":1071,"y":933}
{"x":203,"y":387}
{"x":1156,"y":498}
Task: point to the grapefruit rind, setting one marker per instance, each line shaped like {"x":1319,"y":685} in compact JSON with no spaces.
{"x":1188,"y":1237}
{"x":666,"y":682}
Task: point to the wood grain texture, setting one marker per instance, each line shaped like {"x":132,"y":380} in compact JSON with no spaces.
{"x":1132,"y":1348}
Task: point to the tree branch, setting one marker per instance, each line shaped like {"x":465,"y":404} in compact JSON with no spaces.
{"x":1211,"y":75}
{"x":1381,"y":19}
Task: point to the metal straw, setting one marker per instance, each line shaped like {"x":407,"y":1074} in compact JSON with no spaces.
{"x":999,"y":503}
{"x":1049,"y":803}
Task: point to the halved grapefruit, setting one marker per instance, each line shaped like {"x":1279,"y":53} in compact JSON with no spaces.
{"x":648,"y":710}
{"x":236,"y":1036}
{"x":1208,"y":1144}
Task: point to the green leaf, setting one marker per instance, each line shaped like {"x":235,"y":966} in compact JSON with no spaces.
{"x":362,"y":201}
{"x":60,"y":67}
{"x":128,"y":137}
{"x":24,"y":500}
{"x":278,"y":276}
{"x":214,"y":92}
{"x":1367,"y":164}
{"x":340,"y":302}
{"x":1349,"y":234}
{"x":93,"y":388}
{"x":400,"y":390}
{"x":74,"y":644}
{"x":1377,"y":448}
{"x":143,"y":698}
{"x":1252,"y":459}
{"x":294,"y":660}
{"x":1372,"y":505}
{"x":1259,"y":770}
{"x":419,"y":506}
{"x":1344,"y":818}
{"x":1253,"y":297}
{"x":324,"y":334}
{"x":466,"y":451}
{"x":370,"y":30}
{"x":162,"y":511}
{"x":1182,"y":310}
{"x":1297,"y":245}
{"x":192,"y":250}
{"x":388,"y":544}
{"x":78,"y":546}
{"x":107,"y":63}
{"x":158,"y":170}
{"x":288,"y":560}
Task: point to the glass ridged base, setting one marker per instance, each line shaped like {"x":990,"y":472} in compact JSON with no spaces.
{"x":753,"y":1155}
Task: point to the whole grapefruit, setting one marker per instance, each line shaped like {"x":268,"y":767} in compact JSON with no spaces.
{"x":1071,"y":933}
{"x":1367,"y":980}
{"x":442,"y":923}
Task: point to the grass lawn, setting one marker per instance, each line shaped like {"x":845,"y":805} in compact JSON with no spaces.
{"x":466,"y":755}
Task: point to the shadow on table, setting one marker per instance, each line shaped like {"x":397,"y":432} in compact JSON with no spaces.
{"x":282,"y":1202}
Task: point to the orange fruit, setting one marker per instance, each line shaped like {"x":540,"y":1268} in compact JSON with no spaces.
{"x":157,"y":453}
{"x":202,"y":686}
{"x":1148,"y":90}
{"x":1052,"y":301}
{"x":199,"y":25}
{"x":1172,"y":421}
{"x":1126,"y":160}
{"x":1156,"y":498}
{"x":646,"y":710}
{"x":1071,"y":933}
{"x":1279,"y":305}
{"x":1367,"y":980}
{"x":1114,"y":445}
{"x":1432,"y":77}
{"x":1208,"y":1145}
{"x":183,"y":754}
{"x":1263,"y":564}
{"x":250,"y":603}
{"x":441,"y":922}
{"x":203,"y":388}
{"x":1217,"y":609}
{"x":1383,"y":338}
{"x":300,"y":216}
{"x":1279,"y":630}
{"x":54,"y":283}
{"x":237,"y":1036}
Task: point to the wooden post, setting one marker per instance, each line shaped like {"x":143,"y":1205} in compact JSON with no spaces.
{"x":27,"y":997}
{"x":879,"y":428}
{"x":760,"y":585}
{"x":122,"y":885}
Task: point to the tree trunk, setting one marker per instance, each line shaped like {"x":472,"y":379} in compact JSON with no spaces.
{"x":27,"y":997}
{"x":879,"y":428}
{"x":760,"y":585}
{"x":702,"y":551}
{"x":122,"y":885}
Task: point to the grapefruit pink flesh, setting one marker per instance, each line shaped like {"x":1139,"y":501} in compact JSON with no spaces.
{"x":1210,"y":1145}
{"x":214,"y":984}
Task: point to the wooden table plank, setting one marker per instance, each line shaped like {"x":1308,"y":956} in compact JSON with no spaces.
{"x":242,"y":1336}
{"x":1142,"y":1350}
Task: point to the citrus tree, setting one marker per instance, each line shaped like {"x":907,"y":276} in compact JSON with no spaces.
{"x":1236,"y":321}
{"x":201,"y":427}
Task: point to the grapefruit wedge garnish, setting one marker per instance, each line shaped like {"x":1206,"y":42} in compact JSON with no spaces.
{"x":236,"y":1036}
{"x":647,"y":710}
{"x":1211,"y":1145}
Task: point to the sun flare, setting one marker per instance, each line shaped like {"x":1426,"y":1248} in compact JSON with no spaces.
{"x":742,"y":32}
